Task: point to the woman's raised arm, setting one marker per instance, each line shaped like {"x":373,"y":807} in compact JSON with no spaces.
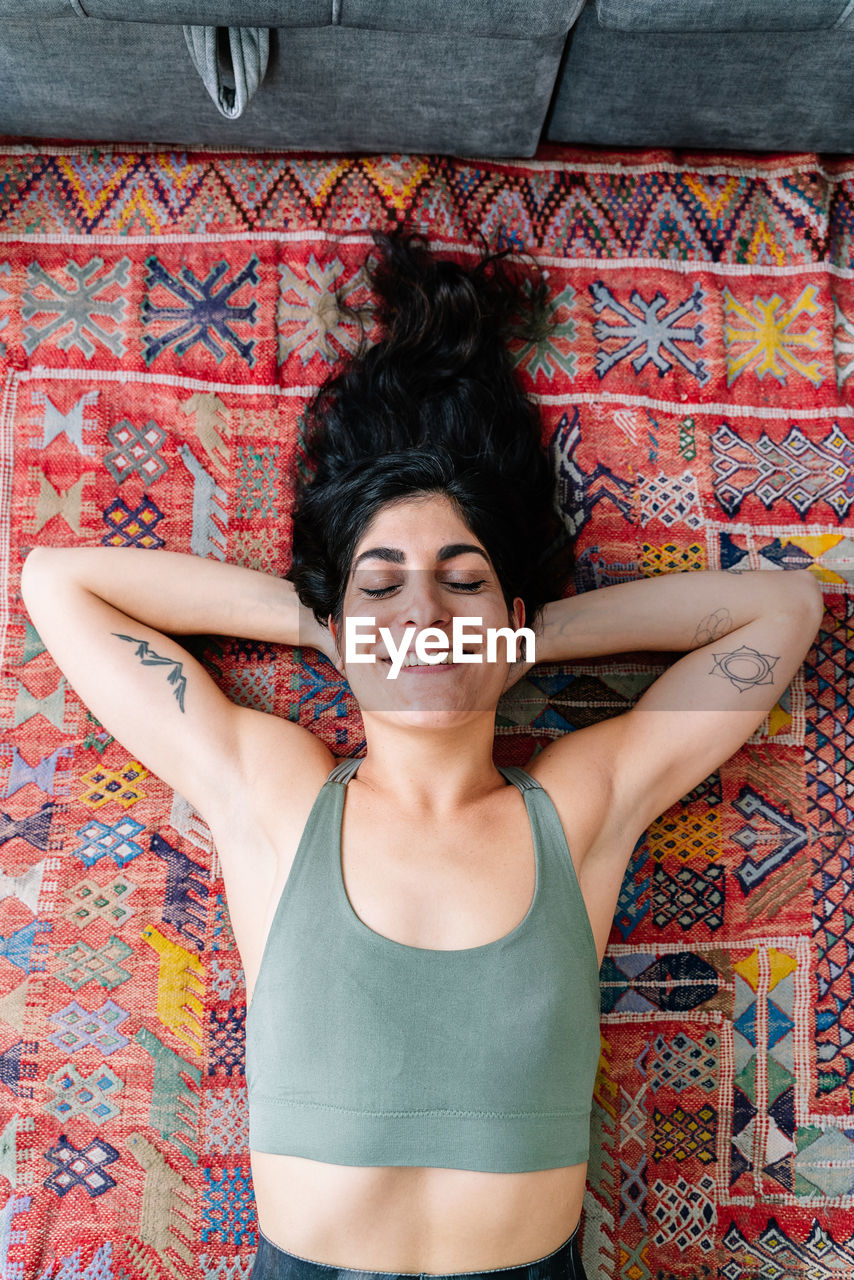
{"x":188,"y":595}
{"x":673,"y":611}
{"x":105,"y":615}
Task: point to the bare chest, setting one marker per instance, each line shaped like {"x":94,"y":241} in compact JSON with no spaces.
{"x":450,"y":886}
{"x":440,"y":886}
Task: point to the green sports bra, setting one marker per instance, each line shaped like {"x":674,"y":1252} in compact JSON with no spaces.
{"x":361,"y":1050}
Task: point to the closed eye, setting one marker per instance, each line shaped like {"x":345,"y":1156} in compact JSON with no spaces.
{"x":457,"y":586}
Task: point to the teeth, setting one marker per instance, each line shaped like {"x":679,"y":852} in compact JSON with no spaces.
{"x":411,"y":661}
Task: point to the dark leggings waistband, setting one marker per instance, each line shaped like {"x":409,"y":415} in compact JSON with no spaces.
{"x":275,"y":1263}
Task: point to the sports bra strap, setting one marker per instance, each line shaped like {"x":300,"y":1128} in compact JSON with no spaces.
{"x":523,"y":780}
{"x":344,"y":769}
{"x":554,"y":835}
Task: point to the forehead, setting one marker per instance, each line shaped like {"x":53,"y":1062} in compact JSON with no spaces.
{"x":425,"y":522}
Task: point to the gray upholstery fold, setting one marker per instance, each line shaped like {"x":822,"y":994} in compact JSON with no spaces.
{"x":250,"y":51}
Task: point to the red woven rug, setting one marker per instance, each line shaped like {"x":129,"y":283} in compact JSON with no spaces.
{"x":163,"y":318}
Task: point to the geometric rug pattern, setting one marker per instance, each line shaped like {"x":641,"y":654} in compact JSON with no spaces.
{"x":164,"y":318}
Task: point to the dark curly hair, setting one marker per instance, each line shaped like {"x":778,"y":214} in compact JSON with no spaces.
{"x":434,"y":407}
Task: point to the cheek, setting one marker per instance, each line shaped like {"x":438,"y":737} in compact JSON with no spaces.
{"x":365,"y":619}
{"x":361,"y":611}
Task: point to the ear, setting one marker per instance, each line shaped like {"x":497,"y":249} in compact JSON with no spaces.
{"x":520,"y":668}
{"x":335,"y":657}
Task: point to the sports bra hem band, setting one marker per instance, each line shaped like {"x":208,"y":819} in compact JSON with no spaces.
{"x":421,"y":1111}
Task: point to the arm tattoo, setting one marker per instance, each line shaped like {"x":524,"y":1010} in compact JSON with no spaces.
{"x":745,"y":667}
{"x":149,"y":658}
{"x":712,"y":627}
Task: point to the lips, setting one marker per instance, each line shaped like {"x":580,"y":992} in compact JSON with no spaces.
{"x":425,"y":666}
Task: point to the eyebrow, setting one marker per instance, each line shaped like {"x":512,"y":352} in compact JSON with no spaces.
{"x":396,"y":556}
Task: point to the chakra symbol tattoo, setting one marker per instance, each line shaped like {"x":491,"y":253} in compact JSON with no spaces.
{"x":745,"y":667}
{"x":149,"y":658}
{"x":713,"y":626}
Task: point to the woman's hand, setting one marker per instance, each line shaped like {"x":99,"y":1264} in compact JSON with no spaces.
{"x":310,"y":633}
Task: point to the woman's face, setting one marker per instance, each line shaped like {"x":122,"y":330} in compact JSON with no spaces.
{"x":418,"y":565}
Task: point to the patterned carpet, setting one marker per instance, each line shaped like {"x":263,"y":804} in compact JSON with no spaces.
{"x":163,"y":318}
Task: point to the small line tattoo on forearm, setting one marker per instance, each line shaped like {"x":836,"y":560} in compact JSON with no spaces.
{"x":149,"y":658}
{"x":713,"y":626}
{"x":745,"y":667}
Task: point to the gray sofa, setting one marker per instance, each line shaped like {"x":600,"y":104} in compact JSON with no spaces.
{"x":368,"y":75}
{"x":470,"y":77}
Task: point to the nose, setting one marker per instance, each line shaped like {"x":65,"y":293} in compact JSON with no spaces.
{"x":422,"y":604}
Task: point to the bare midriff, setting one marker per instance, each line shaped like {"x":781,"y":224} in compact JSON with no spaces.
{"x":408,"y":1219}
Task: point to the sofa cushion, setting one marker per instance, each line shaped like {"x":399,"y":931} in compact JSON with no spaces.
{"x":748,"y":90}
{"x":518,"y":19}
{"x":711,"y":15}
{"x":330,"y":88}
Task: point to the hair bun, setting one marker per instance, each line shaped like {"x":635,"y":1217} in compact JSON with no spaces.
{"x":441,"y":372}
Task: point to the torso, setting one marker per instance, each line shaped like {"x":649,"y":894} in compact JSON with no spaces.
{"x":452,"y":889}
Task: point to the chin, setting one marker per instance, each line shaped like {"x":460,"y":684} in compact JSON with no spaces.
{"x":425,"y":718}
{"x":427,"y":715}
{"x":426,"y":709}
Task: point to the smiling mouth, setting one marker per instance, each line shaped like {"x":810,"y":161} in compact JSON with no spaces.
{"x":422,"y":666}
{"x":443,"y":664}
